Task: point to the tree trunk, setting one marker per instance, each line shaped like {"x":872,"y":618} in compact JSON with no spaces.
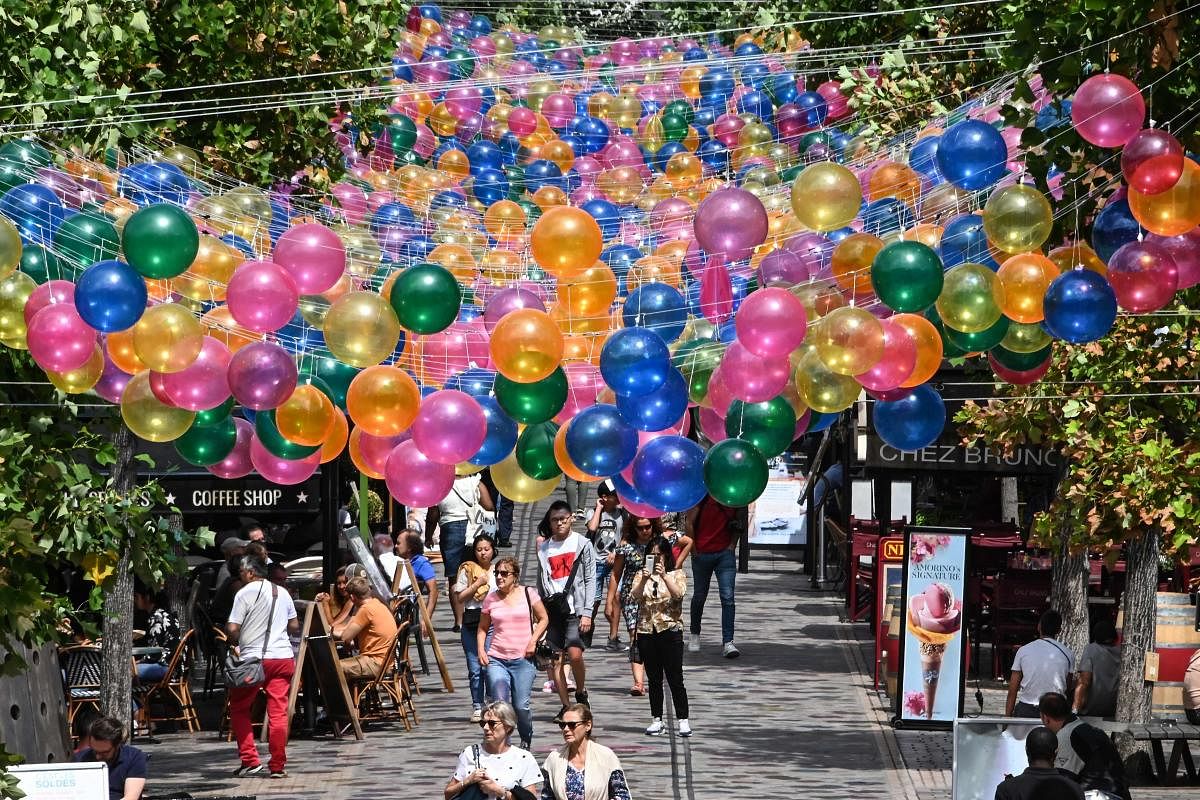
{"x":1140,"y":607}
{"x":1068,"y":594}
{"x":177,"y":582}
{"x":1009,"y":501}
{"x":116,"y":694}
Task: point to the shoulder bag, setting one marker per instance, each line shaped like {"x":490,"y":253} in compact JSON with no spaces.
{"x":543,"y":653}
{"x":247,"y":672}
{"x":558,"y":605}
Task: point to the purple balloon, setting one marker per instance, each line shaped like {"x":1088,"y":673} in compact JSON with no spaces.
{"x":112,"y":381}
{"x":1184,"y":249}
{"x":62,"y":184}
{"x":507,"y":300}
{"x":262,"y":296}
{"x":784,"y":268}
{"x":262,"y":376}
{"x":237,"y":464}
{"x":730,"y":223}
{"x":415,"y":481}
{"x":450,"y":427}
{"x":281,"y":470}
{"x":202,"y":384}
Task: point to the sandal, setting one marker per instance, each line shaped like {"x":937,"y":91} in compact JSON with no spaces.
{"x":637,"y":690}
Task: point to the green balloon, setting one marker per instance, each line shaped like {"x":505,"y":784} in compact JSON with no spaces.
{"x":1021,"y":362}
{"x":978,"y":342}
{"x":322,"y":386}
{"x":949,"y":348}
{"x":532,"y":403}
{"x":205,"y":445}
{"x":462,"y":63}
{"x":735,"y":472}
{"x":403,"y":133}
{"x":680,"y":108}
{"x":696,"y":361}
{"x":31,"y":154}
{"x":40,"y":264}
{"x":907,"y":276}
{"x":770,"y":426}
{"x":160,"y":241}
{"x":788,"y":174}
{"x":675,"y":127}
{"x":270,"y":438}
{"x":535,"y":451}
{"x":214,"y":415}
{"x":85,"y":238}
{"x":336,"y":374}
{"x":815,"y":138}
{"x":532,"y":210}
{"x":426,"y":298}
{"x":12,"y":173}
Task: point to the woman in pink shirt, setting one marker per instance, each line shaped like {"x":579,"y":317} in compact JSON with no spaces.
{"x":515,"y":616}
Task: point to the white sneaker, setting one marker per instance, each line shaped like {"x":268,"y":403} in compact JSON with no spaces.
{"x":693,"y":643}
{"x":476,"y":714}
{"x":684,"y":728}
{"x":730,"y":650}
{"x":656,"y":727}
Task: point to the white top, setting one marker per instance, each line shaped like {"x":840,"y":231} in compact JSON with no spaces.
{"x":463,"y":496}
{"x":513,"y":767}
{"x":251,"y":605}
{"x":1067,"y":758}
{"x":389,"y":561}
{"x":557,"y":559}
{"x":1044,"y":665}
{"x":462,"y":583}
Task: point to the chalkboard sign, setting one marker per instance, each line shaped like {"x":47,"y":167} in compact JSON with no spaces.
{"x":363,"y":556}
{"x":321,"y":651}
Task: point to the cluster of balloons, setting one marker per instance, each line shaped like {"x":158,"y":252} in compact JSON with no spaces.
{"x":556,"y":259}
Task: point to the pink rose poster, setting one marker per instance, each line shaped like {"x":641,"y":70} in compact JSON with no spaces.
{"x":931,"y":681}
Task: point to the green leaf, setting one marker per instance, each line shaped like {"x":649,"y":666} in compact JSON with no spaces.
{"x":139,"y":22}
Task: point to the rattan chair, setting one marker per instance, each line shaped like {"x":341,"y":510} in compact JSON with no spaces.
{"x":174,"y":684}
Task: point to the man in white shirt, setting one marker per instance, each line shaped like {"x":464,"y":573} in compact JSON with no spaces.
{"x":567,"y":566}
{"x":1044,"y":665}
{"x":385,"y":553}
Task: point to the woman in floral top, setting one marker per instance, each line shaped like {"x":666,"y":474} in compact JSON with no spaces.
{"x":162,"y":631}
{"x":660,"y":632}
{"x":582,"y":769}
{"x":631,"y":555}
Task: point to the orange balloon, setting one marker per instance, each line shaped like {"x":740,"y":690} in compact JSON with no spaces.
{"x":929,"y":347}
{"x":120,"y":349}
{"x":457,"y":259}
{"x":565,"y":241}
{"x":549,"y":197}
{"x":502,"y":266}
{"x":944,"y":202}
{"x":684,"y":170}
{"x":895,"y":180}
{"x":504,"y":219}
{"x":526,"y":345}
{"x":851,"y":262}
{"x":1025,"y":278}
{"x":583,"y":347}
{"x":592,"y":293}
{"x":622,"y":185}
{"x":559,"y":152}
{"x":306,"y":417}
{"x":1079,"y":254}
{"x":335,"y":441}
{"x":653,"y":269}
{"x":455,"y":162}
{"x":564,"y":460}
{"x":1173,"y":212}
{"x":222,"y":327}
{"x":572,"y":324}
{"x":383,"y":400}
{"x":926,"y":233}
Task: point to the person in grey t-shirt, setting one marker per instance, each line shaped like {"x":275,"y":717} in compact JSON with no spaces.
{"x":1099,"y":671}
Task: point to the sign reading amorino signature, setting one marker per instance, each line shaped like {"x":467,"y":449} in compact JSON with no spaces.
{"x":952,"y":456}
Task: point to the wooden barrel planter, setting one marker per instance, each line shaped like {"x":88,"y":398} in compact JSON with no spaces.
{"x":1175,"y":639}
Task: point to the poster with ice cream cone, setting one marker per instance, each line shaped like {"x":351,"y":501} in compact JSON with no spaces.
{"x":931,"y":678}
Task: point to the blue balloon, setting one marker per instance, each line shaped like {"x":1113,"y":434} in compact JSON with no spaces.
{"x":606,"y":214}
{"x":756,"y":103}
{"x":923,"y":158}
{"x":887,"y":215}
{"x":783,"y":88}
{"x":475,"y":381}
{"x":451,"y":198}
{"x":634,"y":361}
{"x":656,"y":306}
{"x":628,"y":492}
{"x":620,"y":258}
{"x":542,"y":173}
{"x":1055,"y":115}
{"x":913,"y":422}
{"x":963,"y":241}
{"x":747,"y":49}
{"x":815,"y":108}
{"x":401,"y":69}
{"x":1114,"y":227}
{"x":659,"y":409}
{"x":393,"y":214}
{"x":664,"y":155}
{"x":34,"y":210}
{"x":110,"y":296}
{"x":592,"y":131}
{"x":669,"y":472}
{"x":490,"y":186}
{"x":727,"y":332}
{"x":755,"y":75}
{"x":480,"y":25}
{"x":714,"y":155}
{"x":484,"y":155}
{"x":819,"y":421}
{"x":1080,"y":306}
{"x":501,"y":435}
{"x":600,"y":441}
{"x":972,"y":155}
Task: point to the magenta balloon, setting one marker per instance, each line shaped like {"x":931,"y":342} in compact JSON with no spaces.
{"x":712,"y":425}
{"x":281,"y":470}
{"x":731,"y":222}
{"x":1185,"y":250}
{"x":463,"y":102}
{"x":262,"y":376}
{"x":262,"y":296}
{"x":1152,"y":161}
{"x":558,"y":109}
{"x":694,"y":260}
{"x":415,"y":481}
{"x":445,"y":353}
{"x":1019,"y":377}
{"x":621,"y":152}
{"x":817,"y":252}
{"x":313,"y":255}
{"x":522,"y":121}
{"x":1108,"y":110}
{"x":47,"y":294}
{"x":583,"y":386}
{"x":159,"y":389}
{"x":374,"y":450}
{"x":1143,"y":275}
{"x":716,"y":293}
{"x":202,"y":384}
{"x":719,"y":395}
{"x":59,"y":340}
{"x":752,"y":378}
{"x":898,"y":393}
{"x":112,"y":381}
{"x":352,"y":201}
{"x":450,"y":427}
{"x":771,"y":322}
{"x":898,"y":361}
{"x":783,"y":268}
{"x":238,"y":464}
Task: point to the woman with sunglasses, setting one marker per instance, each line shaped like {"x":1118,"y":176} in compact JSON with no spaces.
{"x":475,"y":580}
{"x":516,"y":619}
{"x":631,"y":557}
{"x":660,"y":632}
{"x":582,"y":769}
{"x":494,"y":769}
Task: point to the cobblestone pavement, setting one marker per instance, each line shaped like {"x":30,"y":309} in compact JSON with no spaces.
{"x":795,"y":715}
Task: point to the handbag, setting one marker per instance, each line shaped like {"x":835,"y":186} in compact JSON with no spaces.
{"x":472,"y":792}
{"x":558,"y":605}
{"x":543,"y":653}
{"x":247,"y":672}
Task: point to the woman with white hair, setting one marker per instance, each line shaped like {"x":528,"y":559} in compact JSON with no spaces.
{"x":494,"y":769}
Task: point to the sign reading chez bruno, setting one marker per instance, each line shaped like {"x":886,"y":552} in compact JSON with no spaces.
{"x":252,"y":495}
{"x":950,"y":455}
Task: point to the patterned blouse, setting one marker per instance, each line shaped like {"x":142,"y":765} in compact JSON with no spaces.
{"x":660,"y":610}
{"x":617,"y":788}
{"x":163,"y":631}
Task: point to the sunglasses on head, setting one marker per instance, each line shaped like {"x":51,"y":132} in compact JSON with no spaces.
{"x":572,"y":724}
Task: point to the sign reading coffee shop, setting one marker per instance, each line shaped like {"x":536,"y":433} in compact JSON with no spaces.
{"x":252,"y":495}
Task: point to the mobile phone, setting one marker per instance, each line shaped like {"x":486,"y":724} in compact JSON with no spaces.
{"x":650,"y":557}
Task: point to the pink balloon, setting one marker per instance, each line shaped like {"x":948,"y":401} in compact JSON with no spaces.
{"x":262,"y":296}
{"x":262,"y":376}
{"x":716,"y":293}
{"x":159,"y":389}
{"x":637,"y":509}
{"x":1185,"y":250}
{"x":1152,"y":161}
{"x":771,"y":322}
{"x":583,"y":386}
{"x":712,"y":425}
{"x":752,"y":378}
{"x":352,"y":201}
{"x":898,"y":361}
{"x":730,"y":223}
{"x":1019,"y":377}
{"x":202,"y":384}
{"x":558,"y":109}
{"x":281,"y":470}
{"x":415,"y":481}
{"x":1108,"y":110}
{"x":445,"y":353}
{"x":1143,"y":275}
{"x":719,"y":396}
{"x":522,"y":121}
{"x":238,"y":464}
{"x":313,"y":255}
{"x":112,"y":381}
{"x":59,"y":340}
{"x":783,"y":268}
{"x":374,"y":450}
{"x":898,"y":393}
{"x":47,"y":294}
{"x":463,"y":102}
{"x":450,"y":427}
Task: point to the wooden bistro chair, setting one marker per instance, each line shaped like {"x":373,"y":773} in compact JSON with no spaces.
{"x":82,"y":672}
{"x":369,"y":694}
{"x":174,"y":685}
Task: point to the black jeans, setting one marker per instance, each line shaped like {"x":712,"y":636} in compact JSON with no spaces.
{"x":663,"y":652}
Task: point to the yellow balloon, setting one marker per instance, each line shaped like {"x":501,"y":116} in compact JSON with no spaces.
{"x":148,"y":417}
{"x":512,"y":482}
{"x":80,"y":380}
{"x":306,"y":417}
{"x":10,"y":247}
{"x":183,"y":157}
{"x":526,"y":345}
{"x":1175,"y":211}
{"x":826,"y":196}
{"x":361,"y":329}
{"x":15,"y":289}
{"x":821,"y":389}
{"x":1025,"y":337}
{"x":167,"y":338}
{"x":848,"y":340}
{"x":971,"y":298}
{"x":1017,"y":219}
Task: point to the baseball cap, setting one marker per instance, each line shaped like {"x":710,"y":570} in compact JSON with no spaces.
{"x":232,"y":543}
{"x":606,"y":487}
